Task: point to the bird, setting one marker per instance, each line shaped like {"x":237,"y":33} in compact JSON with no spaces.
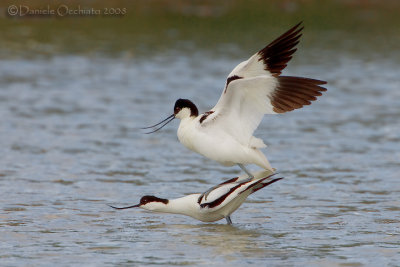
{"x":221,"y":203}
{"x":254,"y":88}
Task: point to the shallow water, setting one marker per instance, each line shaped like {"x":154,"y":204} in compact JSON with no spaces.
{"x":70,"y":145}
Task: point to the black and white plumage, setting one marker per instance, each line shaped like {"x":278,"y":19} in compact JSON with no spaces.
{"x":221,"y":202}
{"x":254,"y":88}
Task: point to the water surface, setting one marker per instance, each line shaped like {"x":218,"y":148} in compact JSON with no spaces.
{"x":70,"y":145}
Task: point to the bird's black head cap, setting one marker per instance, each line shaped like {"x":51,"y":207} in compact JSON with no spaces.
{"x":186,"y":103}
{"x":147,"y":199}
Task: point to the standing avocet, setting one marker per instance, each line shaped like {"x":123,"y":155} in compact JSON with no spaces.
{"x":222,"y":200}
{"x":254,"y":88}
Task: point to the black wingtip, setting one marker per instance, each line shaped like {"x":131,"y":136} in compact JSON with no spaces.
{"x":262,"y":184}
{"x":273,"y":181}
{"x":279,"y":52}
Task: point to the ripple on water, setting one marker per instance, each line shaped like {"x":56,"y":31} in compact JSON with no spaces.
{"x":71,"y":145}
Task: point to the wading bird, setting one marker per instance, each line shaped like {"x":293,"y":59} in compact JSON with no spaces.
{"x":254,"y":88}
{"x":222,"y":201}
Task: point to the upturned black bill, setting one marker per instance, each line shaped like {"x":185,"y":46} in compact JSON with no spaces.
{"x":167,"y":120}
{"x":122,"y":208}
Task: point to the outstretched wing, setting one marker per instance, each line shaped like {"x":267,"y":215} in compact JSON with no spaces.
{"x":255,"y":88}
{"x":270,"y":60}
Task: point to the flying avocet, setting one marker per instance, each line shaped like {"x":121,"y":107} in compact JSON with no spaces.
{"x":254,"y":88}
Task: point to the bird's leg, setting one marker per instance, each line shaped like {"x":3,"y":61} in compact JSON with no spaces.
{"x":251,"y":176}
{"x":228,"y":220}
{"x":205,"y":194}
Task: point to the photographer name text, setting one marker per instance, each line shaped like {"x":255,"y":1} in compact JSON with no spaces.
{"x":63,"y":11}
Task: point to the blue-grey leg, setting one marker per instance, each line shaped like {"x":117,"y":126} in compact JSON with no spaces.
{"x":251,"y":176}
{"x":228,"y":219}
{"x":205,"y":194}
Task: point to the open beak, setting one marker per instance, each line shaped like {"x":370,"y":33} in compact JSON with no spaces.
{"x":167,"y":120}
{"x":122,"y":208}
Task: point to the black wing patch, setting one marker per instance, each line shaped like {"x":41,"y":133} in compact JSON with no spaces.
{"x":295,"y":92}
{"x":205,"y":115}
{"x":277,"y":54}
{"x":232,"y":78}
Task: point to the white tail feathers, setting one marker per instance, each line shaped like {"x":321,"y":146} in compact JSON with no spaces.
{"x":257,"y":143}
